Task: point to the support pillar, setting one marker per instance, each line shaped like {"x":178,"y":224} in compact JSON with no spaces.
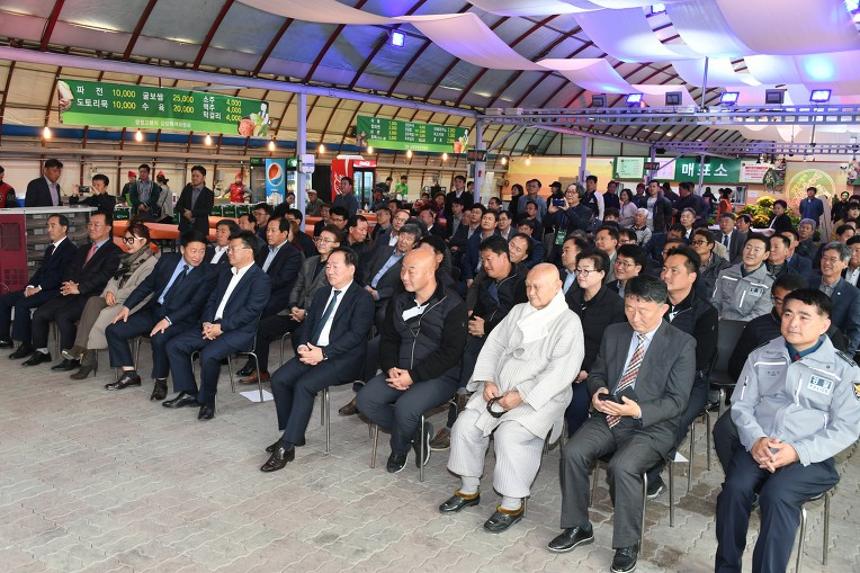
{"x":301,"y":147}
{"x":652,"y":173}
{"x":480,"y":167}
{"x":582,"y":159}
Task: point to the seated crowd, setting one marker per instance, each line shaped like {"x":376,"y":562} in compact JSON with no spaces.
{"x":586,"y":314}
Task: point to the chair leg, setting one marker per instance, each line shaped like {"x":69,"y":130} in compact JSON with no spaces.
{"x":421,"y":445}
{"x":692,"y":453}
{"x":722,"y":405}
{"x":137,"y":344}
{"x":799,"y":561}
{"x":826,"y":527}
{"x":644,"y":503}
{"x":671,"y":493}
{"x":326,"y":404}
{"x":230,"y":371}
{"x":708,"y":437}
{"x":375,"y":441}
{"x":322,"y":413}
{"x":257,"y":370}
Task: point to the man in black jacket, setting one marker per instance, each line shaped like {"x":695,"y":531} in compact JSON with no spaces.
{"x":93,"y":266}
{"x":282,"y":262}
{"x":458,"y":192}
{"x":195,"y":203}
{"x":691,"y":313}
{"x":781,"y":220}
{"x":330,"y":350}
{"x":43,"y":286}
{"x":422,"y":340}
{"x":45,"y":191}
{"x":178,"y":288}
{"x":498,"y":292}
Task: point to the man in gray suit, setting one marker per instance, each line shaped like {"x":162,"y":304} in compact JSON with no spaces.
{"x":640,"y":386}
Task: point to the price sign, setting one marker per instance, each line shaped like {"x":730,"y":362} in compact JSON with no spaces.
{"x":405,"y":135}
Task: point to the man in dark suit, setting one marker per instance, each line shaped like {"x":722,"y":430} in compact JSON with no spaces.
{"x":845,"y":298}
{"x":282,"y":262}
{"x":195,"y":203}
{"x":45,"y":191}
{"x":178,"y":287}
{"x":640,"y":385}
{"x":781,"y":220}
{"x":229,"y":320}
{"x":91,"y":268}
{"x":458,"y":192}
{"x":387,"y":238}
{"x":308,"y":245}
{"x":382,"y":276}
{"x":216,"y":253}
{"x":730,"y":238}
{"x":43,"y":286}
{"x":472,"y":256}
{"x":331,"y":350}
{"x":796,"y":263}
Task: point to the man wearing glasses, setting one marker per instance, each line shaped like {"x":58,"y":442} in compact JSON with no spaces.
{"x":310,"y":279}
{"x":229,"y":324}
{"x":845,"y":298}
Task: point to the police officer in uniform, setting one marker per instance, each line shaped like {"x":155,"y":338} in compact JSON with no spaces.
{"x":797,"y":406}
{"x":742,"y":291}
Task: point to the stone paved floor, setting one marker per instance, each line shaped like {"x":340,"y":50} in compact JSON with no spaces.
{"x":97,"y":481}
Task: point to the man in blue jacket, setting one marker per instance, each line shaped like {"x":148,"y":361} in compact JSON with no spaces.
{"x":812,"y":207}
{"x":229,"y":325}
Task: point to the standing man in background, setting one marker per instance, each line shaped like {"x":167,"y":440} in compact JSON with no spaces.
{"x":44,"y":191}
{"x":195,"y":203}
{"x":346,"y":198}
{"x":812,"y":207}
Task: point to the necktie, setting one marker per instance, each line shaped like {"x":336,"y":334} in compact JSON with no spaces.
{"x":91,"y":252}
{"x":726,"y":241}
{"x":325,"y":316}
{"x":49,"y":251}
{"x":54,"y":194}
{"x":171,"y":286}
{"x":568,"y":281}
{"x":630,"y":373}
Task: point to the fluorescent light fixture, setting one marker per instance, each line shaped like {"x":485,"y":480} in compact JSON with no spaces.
{"x":673,"y":99}
{"x":774,"y":97}
{"x":598,"y":100}
{"x":819,"y":96}
{"x":729,"y":98}
{"x":397,"y":39}
{"x":633,"y":100}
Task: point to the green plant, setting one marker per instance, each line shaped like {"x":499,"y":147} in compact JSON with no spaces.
{"x":762,"y":212}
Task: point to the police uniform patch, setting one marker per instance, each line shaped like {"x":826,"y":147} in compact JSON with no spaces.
{"x":756,"y":291}
{"x":857,"y":390}
{"x":822,"y":385}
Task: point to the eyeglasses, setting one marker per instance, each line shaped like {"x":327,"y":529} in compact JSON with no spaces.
{"x":586,"y":272}
{"x":624,"y":264}
{"x":698,"y":243}
{"x":321,"y":240}
{"x":776,"y":300}
{"x":130,"y":240}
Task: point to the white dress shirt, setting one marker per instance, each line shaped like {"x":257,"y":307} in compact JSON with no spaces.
{"x":219,"y":252}
{"x":323,"y":339}
{"x":57,"y":244}
{"x":234,"y":280}
{"x":634,"y":340}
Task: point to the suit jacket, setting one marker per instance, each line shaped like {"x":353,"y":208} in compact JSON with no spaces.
{"x":781,"y":223}
{"x":389,"y":283}
{"x":50,"y":273}
{"x":663,"y":384}
{"x":39,"y":195}
{"x":199,"y":210}
{"x":103,"y":202}
{"x":245,"y":306}
{"x":282,"y":274}
{"x":350,"y":326}
{"x":800,"y":266}
{"x":736,"y":245}
{"x":307,"y":284}
{"x":210,"y":254}
{"x":184,"y":301}
{"x":93,"y":276}
{"x":467,"y":198}
{"x":472,"y":256}
{"x":846,"y":310}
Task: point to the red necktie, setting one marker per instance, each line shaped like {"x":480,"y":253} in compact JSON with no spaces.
{"x":90,"y":254}
{"x":630,"y":373}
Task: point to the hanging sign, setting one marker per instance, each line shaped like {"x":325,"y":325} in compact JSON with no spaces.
{"x":275,"y":180}
{"x":716,"y":170}
{"x":149,"y":107}
{"x":628,"y":167}
{"x":407,"y":135}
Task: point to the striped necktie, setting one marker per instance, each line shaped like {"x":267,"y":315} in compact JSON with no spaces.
{"x":628,"y":379}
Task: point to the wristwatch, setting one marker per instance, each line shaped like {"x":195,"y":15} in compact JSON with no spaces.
{"x":324,"y":355}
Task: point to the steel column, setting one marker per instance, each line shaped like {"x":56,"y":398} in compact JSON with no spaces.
{"x":582,"y":159}
{"x":480,"y":166}
{"x":301,"y":149}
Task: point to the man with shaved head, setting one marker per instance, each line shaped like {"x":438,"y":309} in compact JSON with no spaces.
{"x":521,"y":386}
{"x":421,"y":343}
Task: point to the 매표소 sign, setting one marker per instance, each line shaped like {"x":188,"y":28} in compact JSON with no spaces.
{"x":407,"y":135}
{"x":716,"y":170}
{"x":149,"y":107}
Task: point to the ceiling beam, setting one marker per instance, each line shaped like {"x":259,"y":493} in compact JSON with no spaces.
{"x":50,"y":23}
{"x":138,"y":28}
{"x":211,"y":33}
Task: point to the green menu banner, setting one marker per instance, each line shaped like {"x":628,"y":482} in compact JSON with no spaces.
{"x":149,"y":107}
{"x":406,"y":135}
{"x":716,"y":169}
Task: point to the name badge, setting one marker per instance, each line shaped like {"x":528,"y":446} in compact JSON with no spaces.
{"x":820,"y":385}
{"x":756,"y":291}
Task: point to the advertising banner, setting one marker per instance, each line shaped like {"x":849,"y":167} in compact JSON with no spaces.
{"x":276,"y":176}
{"x":408,"y":135}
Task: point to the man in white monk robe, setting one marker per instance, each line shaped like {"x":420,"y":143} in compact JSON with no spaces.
{"x":522,"y":386}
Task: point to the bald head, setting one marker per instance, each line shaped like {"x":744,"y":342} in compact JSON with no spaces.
{"x":542,"y":284}
{"x":418,"y":272}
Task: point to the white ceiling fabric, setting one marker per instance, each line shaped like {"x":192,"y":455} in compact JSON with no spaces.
{"x":532,"y":7}
{"x":704,"y":29}
{"x":721,"y":72}
{"x":655,"y":95}
{"x":626,"y":35}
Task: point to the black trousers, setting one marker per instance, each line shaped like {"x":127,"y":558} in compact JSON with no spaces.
{"x":270,"y":330}
{"x":726,"y":439}
{"x":632,"y":454}
{"x":473,"y":347}
{"x":180,"y":349}
{"x":21,"y":329}
{"x":65,"y":311}
{"x":140,"y":324}
{"x":781,"y":495}
{"x":400,"y":411}
{"x":295,"y":385}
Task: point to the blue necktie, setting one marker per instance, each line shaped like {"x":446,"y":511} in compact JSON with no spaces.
{"x":176,"y":280}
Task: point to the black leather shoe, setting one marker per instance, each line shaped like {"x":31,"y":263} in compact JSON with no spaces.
{"x":271,"y":448}
{"x":502,"y":519}
{"x":571,"y":538}
{"x":159,"y":391}
{"x":23,"y":351}
{"x":396,"y":463}
{"x":206,"y":412}
{"x":124,"y":382}
{"x":5,"y":343}
{"x":349,"y":409}
{"x":459,"y":501}
{"x":247,"y":369}
{"x":183,"y":400}
{"x":279,"y":459}
{"x":66,"y":365}
{"x":36,"y":359}
{"x":416,"y":444}
{"x":625,"y":559}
